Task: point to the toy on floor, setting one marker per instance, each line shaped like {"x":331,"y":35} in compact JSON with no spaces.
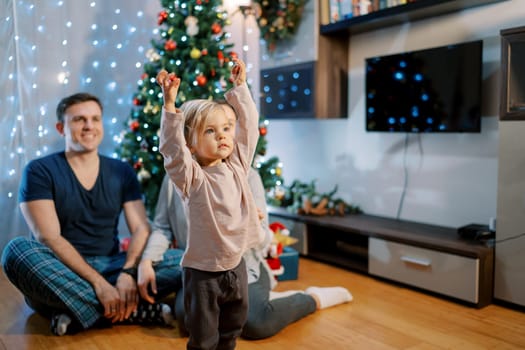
{"x":281,"y":239}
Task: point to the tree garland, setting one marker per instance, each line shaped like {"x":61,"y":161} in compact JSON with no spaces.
{"x":278,"y":20}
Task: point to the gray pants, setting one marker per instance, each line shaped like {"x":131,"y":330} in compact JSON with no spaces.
{"x":265,"y":317}
{"x":216,"y":305}
{"x":268,"y":317}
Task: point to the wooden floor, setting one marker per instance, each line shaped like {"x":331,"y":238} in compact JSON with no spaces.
{"x":382,"y":316}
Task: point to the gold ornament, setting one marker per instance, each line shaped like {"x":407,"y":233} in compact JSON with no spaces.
{"x":143,"y":175}
{"x":195,"y":53}
{"x":152,"y":55}
{"x":148,"y":107}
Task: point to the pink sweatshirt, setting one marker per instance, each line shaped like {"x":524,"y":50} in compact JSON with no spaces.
{"x":223,"y":217}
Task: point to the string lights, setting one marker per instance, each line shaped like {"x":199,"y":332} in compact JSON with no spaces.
{"x":51,"y":49}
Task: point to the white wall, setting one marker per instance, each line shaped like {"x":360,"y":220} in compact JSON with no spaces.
{"x":301,"y":48}
{"x":452,"y":179}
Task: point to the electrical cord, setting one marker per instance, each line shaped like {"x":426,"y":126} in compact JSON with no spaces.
{"x":405,"y":181}
{"x":511,"y":238}
{"x":405,"y":186}
{"x":405,"y":171}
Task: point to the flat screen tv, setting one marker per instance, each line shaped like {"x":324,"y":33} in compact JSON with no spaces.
{"x":431,"y":90}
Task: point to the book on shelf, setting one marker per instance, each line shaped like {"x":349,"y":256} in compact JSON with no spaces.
{"x":346,"y":9}
{"x":335,"y":10}
{"x":328,"y":11}
{"x":332,"y":11}
{"x":324,"y":12}
{"x":392,"y":3}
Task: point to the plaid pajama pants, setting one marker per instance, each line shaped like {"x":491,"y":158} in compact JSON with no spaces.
{"x":49,"y":286}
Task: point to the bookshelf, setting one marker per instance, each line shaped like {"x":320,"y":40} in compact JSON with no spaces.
{"x":394,"y":15}
{"x":331,"y":98}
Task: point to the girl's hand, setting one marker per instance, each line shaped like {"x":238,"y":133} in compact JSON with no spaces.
{"x":169,"y":83}
{"x":238,"y":72}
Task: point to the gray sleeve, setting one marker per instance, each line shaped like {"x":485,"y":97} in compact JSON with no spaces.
{"x":161,"y":234}
{"x":254,"y":257}
{"x":259,"y":195}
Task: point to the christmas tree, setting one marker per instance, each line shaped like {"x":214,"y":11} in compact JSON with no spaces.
{"x":269,"y":169}
{"x":194,"y":45}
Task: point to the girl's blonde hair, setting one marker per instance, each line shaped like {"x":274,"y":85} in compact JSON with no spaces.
{"x":196,"y":113}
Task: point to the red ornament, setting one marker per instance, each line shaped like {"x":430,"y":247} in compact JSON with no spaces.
{"x":137,"y":165}
{"x":136,"y":101}
{"x":170,"y":45}
{"x":204,"y":52}
{"x":124,"y":244}
{"x":234,"y":55}
{"x":134,"y":126}
{"x":201,"y":80}
{"x":213,"y":72}
{"x":162,"y":17}
{"x":216,"y":28}
{"x":144,"y":76}
{"x":263,"y":131}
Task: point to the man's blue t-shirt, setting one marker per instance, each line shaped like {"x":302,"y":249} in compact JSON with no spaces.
{"x":88,"y":219}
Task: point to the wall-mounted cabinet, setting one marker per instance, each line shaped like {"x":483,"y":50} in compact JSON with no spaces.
{"x":331,"y":72}
{"x":512,"y":103}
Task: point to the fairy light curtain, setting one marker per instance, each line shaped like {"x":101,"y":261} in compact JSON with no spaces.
{"x":50,"y":49}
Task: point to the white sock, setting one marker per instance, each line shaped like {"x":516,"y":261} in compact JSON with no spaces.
{"x":330,"y":296}
{"x":167,"y":315}
{"x":277,"y":295}
{"x":62,"y":322}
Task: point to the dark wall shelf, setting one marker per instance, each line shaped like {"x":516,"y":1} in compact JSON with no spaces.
{"x":412,"y":11}
{"x":345,"y":242}
{"x":434,"y":237}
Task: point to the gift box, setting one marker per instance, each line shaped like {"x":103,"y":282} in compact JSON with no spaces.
{"x":290,"y":262}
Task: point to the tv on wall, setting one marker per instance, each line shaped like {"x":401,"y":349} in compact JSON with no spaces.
{"x":431,"y":90}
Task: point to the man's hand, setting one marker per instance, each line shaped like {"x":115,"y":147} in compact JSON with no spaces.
{"x":109,"y":297}
{"x":129,"y":297}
